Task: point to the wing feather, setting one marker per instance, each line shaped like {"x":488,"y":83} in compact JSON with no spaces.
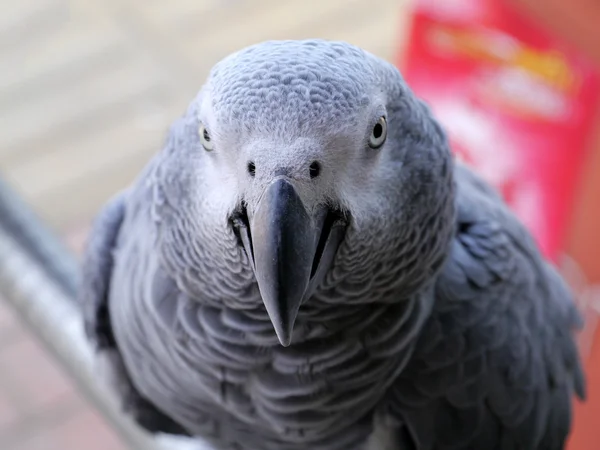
{"x":93,"y":297}
{"x":496,"y":366}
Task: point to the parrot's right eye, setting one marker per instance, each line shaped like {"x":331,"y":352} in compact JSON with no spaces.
{"x":379,"y":133}
{"x":205,"y":138}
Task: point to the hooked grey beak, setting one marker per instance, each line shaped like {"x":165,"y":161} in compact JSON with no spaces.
{"x":291,"y":252}
{"x":283,"y":239}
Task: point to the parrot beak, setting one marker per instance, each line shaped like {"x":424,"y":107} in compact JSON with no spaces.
{"x":283,"y":240}
{"x":290,"y":251}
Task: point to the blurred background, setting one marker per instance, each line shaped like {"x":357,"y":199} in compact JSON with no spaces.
{"x":88,"y":89}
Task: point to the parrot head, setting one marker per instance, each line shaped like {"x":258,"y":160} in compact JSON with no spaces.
{"x":306,"y":144}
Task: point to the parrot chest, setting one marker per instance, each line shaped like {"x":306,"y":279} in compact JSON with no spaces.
{"x":316,"y":392}
{"x":214,"y":369}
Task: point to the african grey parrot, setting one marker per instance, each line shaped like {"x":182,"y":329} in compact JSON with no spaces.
{"x":305,"y":266}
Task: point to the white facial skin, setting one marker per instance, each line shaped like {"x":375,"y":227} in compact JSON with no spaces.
{"x":345,"y":149}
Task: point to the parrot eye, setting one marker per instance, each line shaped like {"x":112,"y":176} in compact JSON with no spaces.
{"x":379,"y":133}
{"x":205,"y":138}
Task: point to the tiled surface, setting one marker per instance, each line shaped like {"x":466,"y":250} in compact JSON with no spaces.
{"x":87,"y":90}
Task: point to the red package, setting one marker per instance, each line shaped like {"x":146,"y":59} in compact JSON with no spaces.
{"x":517,"y":102}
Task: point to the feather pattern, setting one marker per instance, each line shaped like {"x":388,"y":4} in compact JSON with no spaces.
{"x":437,"y":326}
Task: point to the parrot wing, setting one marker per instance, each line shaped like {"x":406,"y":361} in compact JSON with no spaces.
{"x":93,"y":296}
{"x":496,"y":366}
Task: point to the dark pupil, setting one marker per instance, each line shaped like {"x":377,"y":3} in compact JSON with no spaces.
{"x":377,"y":131}
{"x":251,"y":169}
{"x":206,"y":136}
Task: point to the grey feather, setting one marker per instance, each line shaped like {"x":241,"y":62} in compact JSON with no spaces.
{"x":436,"y":325}
{"x":94,"y":292}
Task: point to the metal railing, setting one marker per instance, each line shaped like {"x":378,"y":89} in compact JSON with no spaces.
{"x":39,"y":278}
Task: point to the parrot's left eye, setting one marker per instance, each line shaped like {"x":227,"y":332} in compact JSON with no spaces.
{"x":205,"y":138}
{"x":379,"y":133}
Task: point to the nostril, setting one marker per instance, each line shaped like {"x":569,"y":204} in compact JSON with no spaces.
{"x":251,"y":169}
{"x":314,"y":169}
